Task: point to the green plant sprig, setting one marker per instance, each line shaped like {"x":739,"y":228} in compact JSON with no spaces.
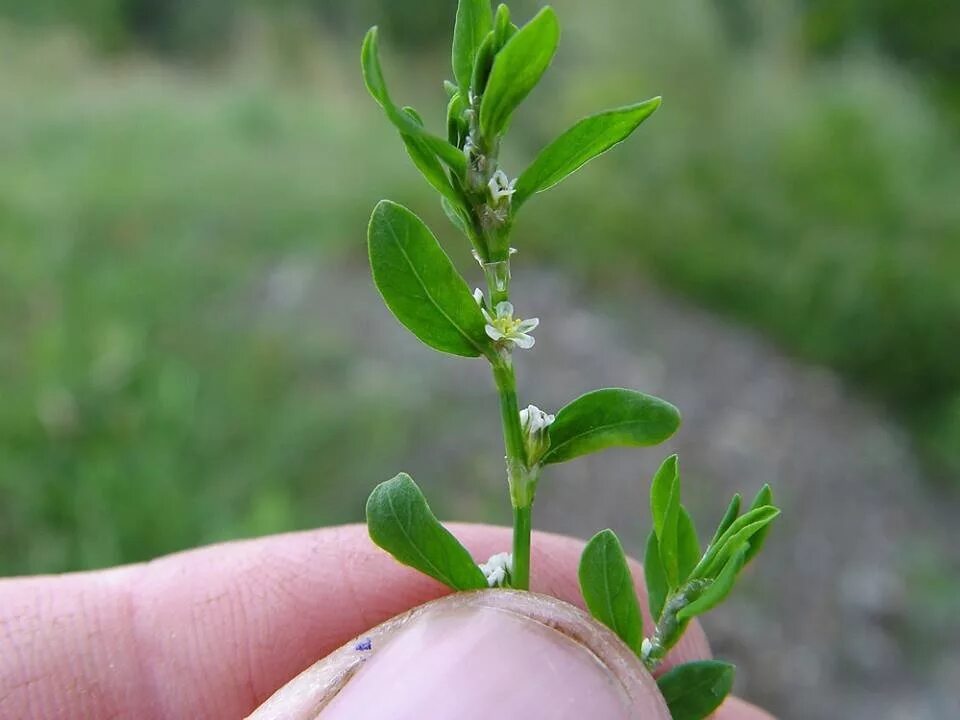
{"x":495,"y":66}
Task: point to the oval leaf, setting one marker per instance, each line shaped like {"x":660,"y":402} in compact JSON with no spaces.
{"x":400,"y":521}
{"x":474,"y":21}
{"x":609,"y":418}
{"x":665,"y":509}
{"x":655,"y":576}
{"x":695,"y":689}
{"x":517,"y":68}
{"x":608,"y":590}
{"x":590,"y":137}
{"x":688,"y":545}
{"x":420,"y":285}
{"x":404,"y":122}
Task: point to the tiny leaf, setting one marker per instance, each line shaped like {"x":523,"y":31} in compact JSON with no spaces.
{"x":420,"y":285}
{"x":665,"y":509}
{"x":427,"y":163}
{"x":741,"y":530}
{"x":400,"y":521}
{"x":733,"y":509}
{"x":718,"y":590}
{"x":763,"y":498}
{"x":517,"y":68}
{"x":474,"y":21}
{"x":607,"y":418}
{"x":688,"y":545}
{"x":590,"y":137}
{"x":695,"y":689}
{"x":503,"y":29}
{"x":655,"y":576}
{"x":404,"y":122}
{"x":608,"y":589}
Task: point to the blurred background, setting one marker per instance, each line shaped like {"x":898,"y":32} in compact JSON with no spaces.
{"x":191,"y":349}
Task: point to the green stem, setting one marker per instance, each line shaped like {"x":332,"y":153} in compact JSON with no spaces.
{"x":522,"y":521}
{"x":522,"y":484}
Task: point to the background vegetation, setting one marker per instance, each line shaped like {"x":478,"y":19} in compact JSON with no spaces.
{"x":167,"y":167}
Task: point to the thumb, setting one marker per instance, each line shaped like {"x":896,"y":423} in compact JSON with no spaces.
{"x":476,"y":655}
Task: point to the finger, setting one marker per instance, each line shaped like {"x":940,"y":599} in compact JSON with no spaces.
{"x":736,"y":709}
{"x":211,"y":633}
{"x":504,"y":653}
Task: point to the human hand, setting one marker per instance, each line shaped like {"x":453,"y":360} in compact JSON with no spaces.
{"x":212,"y":633}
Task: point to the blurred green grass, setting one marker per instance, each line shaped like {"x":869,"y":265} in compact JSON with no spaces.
{"x":150,"y":399}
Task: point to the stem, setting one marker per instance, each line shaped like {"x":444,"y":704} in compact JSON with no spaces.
{"x":522,"y":521}
{"x":521,"y":481}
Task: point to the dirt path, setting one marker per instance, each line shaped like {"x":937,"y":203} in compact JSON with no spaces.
{"x":822,"y":627}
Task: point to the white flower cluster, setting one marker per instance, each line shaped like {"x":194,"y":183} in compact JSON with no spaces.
{"x":498,"y":569}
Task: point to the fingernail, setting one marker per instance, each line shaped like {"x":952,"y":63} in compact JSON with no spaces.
{"x":499,"y":659}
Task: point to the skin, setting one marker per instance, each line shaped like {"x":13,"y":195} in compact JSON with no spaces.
{"x":213,"y":632}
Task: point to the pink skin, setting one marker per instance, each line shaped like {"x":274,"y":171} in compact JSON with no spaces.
{"x":211,"y":633}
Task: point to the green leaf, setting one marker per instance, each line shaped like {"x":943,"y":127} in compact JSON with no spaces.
{"x":665,"y":509}
{"x":590,"y":137}
{"x":608,"y":590}
{"x":733,"y":509}
{"x":655,"y":576}
{"x":695,"y":689}
{"x":454,"y":215}
{"x":503,"y":29}
{"x":718,"y":590}
{"x":608,"y":418}
{"x":420,"y":285}
{"x":763,"y":498}
{"x":474,"y":21}
{"x":427,"y":163}
{"x":400,"y":521}
{"x":740,"y":531}
{"x":517,"y":68}
{"x":404,"y":122}
{"x":688,"y":545}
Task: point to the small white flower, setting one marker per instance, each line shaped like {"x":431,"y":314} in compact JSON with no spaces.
{"x":534,"y":423}
{"x":478,"y":297}
{"x":498,"y":569}
{"x":645,"y":647}
{"x":534,"y":420}
{"x":501,"y":186}
{"x":502,"y":327}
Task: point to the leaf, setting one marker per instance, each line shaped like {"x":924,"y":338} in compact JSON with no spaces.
{"x":733,"y":509}
{"x":427,"y":163}
{"x":400,"y":521}
{"x":590,"y":137}
{"x":741,"y":530}
{"x":607,"y":418}
{"x":404,"y":122}
{"x":763,"y":498}
{"x":517,"y":68}
{"x":695,"y":689}
{"x":718,"y":590}
{"x":665,"y":509}
{"x":688,"y":545}
{"x":420,"y":285}
{"x":503,"y":29}
{"x":474,"y":21}
{"x":454,"y":216}
{"x":655,"y":576}
{"x":608,"y":589}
